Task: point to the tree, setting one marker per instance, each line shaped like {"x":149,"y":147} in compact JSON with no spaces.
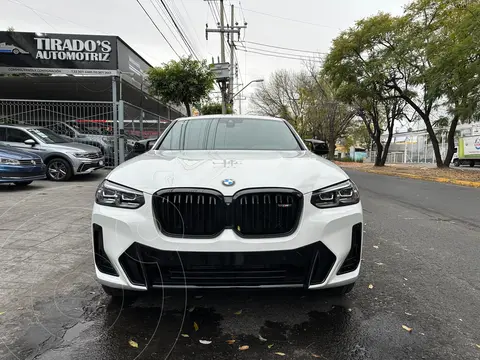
{"x":359,"y":67}
{"x":185,"y":81}
{"x":326,"y":116}
{"x":453,"y":52}
{"x":11,"y":29}
{"x":213,"y":108}
{"x":281,"y":96}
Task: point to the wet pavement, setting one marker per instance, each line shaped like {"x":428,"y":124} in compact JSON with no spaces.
{"x":421,"y":255}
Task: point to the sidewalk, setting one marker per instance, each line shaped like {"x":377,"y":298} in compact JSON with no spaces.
{"x":457,"y":176}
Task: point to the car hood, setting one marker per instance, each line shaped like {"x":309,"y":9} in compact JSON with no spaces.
{"x":15,"y":154}
{"x":74,"y":146}
{"x":155,"y":170}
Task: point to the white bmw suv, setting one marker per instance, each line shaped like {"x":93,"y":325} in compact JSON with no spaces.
{"x":227,"y":202}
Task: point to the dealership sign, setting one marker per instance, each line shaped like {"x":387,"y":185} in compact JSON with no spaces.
{"x":58,"y":53}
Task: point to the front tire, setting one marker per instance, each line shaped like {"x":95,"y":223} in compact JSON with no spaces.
{"x":23,"y":183}
{"x":456,"y":163}
{"x":472,"y":163}
{"x":16,"y":51}
{"x":59,"y":169}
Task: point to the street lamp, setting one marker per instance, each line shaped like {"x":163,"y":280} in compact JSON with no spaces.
{"x":253,"y":81}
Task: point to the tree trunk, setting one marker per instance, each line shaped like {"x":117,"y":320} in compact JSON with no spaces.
{"x":435,"y":144}
{"x":385,"y":149}
{"x":331,"y":148}
{"x":187,"y":106}
{"x":433,"y":137}
{"x":390,"y":126}
{"x":378,"y":156}
{"x":451,"y":141}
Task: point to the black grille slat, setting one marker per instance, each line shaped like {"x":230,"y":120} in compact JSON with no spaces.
{"x":205,"y":213}
{"x":276,"y":215}
{"x":189,"y":212}
{"x":29,"y":162}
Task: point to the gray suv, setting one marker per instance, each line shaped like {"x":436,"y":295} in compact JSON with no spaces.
{"x":63,"y":158}
{"x":91,"y":134}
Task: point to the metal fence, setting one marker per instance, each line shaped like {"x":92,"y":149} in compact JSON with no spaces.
{"x":415,"y":149}
{"x":142,"y":124}
{"x":89,"y":122}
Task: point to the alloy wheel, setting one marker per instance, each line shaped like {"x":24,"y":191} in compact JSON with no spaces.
{"x":57,"y":170}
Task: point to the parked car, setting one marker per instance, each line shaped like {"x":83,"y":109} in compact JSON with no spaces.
{"x":84,"y":136}
{"x":63,"y":159}
{"x":140,"y":147}
{"x":227,"y":202}
{"x":20,"y":168}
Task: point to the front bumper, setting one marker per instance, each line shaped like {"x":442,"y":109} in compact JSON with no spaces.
{"x":86,"y":166}
{"x":19,"y":173}
{"x":131,"y":253}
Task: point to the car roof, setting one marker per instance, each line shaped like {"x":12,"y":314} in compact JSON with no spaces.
{"x":21,"y":126}
{"x":227,"y":116}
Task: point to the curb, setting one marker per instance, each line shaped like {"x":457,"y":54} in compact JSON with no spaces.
{"x":474,"y":184}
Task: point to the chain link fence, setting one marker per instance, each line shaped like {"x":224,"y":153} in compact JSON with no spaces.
{"x":89,"y":122}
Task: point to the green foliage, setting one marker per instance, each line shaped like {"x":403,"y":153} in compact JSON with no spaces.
{"x":185,"y":81}
{"x":214,"y":108}
{"x":428,"y":58}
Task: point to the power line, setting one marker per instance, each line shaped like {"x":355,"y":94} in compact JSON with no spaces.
{"x":189,"y":18}
{"x":282,"y":48}
{"x":289,"y":19}
{"x":279,"y":53}
{"x":182,"y":35}
{"x":153,"y":22}
{"x":35,"y":12}
{"x":276,"y":56}
{"x":165,"y":20}
{"x":241,"y":8}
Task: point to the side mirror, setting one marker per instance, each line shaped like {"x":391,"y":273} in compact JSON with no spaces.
{"x":139,"y":148}
{"x":320,"y":149}
{"x":30,"y":142}
{"x":150,"y":144}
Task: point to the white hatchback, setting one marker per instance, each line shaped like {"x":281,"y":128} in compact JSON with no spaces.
{"x":227,"y":202}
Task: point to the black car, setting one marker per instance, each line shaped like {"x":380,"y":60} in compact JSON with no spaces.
{"x":141,"y":147}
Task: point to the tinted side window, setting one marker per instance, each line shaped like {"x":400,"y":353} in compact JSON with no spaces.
{"x":3,"y":134}
{"x":17,"y":135}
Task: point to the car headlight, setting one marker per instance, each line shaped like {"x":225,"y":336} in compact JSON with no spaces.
{"x":9,"y":161}
{"x":80,"y":155}
{"x":111,"y":194}
{"x":345,"y":193}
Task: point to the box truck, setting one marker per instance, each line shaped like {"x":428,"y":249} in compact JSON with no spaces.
{"x":467,"y":151}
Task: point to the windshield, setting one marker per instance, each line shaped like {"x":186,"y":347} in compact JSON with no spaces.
{"x":230,"y":134}
{"x":47,"y":136}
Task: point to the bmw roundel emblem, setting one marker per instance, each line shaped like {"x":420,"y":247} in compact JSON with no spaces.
{"x":228,"y":182}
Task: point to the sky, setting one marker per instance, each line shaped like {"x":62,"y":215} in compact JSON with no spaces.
{"x":306,"y":25}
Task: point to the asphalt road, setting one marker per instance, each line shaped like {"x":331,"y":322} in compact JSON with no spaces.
{"x":421,"y":254}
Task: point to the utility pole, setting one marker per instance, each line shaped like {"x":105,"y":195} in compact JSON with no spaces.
{"x":232,"y":58}
{"x":232,"y":29}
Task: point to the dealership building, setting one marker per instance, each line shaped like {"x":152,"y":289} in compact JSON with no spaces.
{"x":71,"y":77}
